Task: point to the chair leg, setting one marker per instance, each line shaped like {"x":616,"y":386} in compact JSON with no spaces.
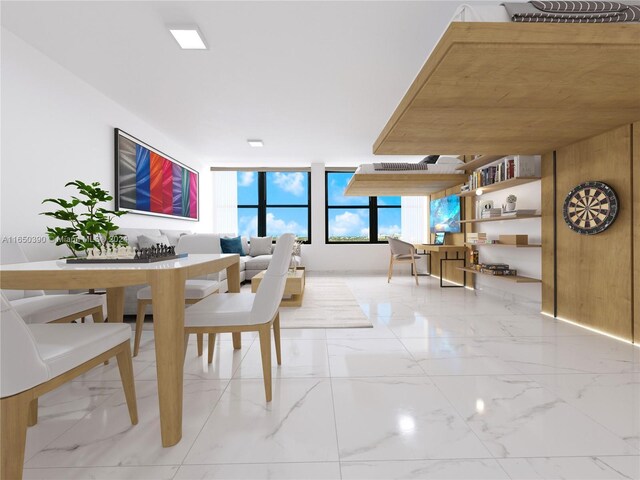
{"x":142,"y":306}
{"x":265,"y":350}
{"x":125,"y":365}
{"x":14,"y":412}
{"x":98,"y":316}
{"x":186,"y":346}
{"x":390,"y":269}
{"x":415,"y":270}
{"x":199,"y":341}
{"x":33,"y":412}
{"x":276,"y":337}
{"x":211,"y":343}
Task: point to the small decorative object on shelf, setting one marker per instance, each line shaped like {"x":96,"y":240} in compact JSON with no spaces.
{"x":511,"y":203}
{"x":590,"y":208}
{"x":295,"y":254}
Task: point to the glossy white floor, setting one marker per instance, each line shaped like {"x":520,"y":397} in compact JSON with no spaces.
{"x":448,"y":384}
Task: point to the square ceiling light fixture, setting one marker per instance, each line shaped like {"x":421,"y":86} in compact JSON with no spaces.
{"x":188,"y":37}
{"x":255,"y":143}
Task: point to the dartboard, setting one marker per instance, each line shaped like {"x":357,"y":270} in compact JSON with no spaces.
{"x":590,"y":208}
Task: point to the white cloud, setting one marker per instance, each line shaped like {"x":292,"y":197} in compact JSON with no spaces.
{"x":347,"y":223}
{"x":388,"y":229}
{"x":246,"y":178}
{"x":248,"y":226}
{"x":290,"y":182}
{"x":277,"y":226}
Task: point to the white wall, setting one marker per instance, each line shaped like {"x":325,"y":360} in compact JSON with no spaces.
{"x":56,"y":128}
{"x":526,"y":260}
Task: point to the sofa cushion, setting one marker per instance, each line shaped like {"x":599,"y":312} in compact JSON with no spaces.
{"x":132,"y":234}
{"x":260,"y":246}
{"x":232,"y":245}
{"x":148,"y":241}
{"x":261,"y":262}
{"x":174,"y":235}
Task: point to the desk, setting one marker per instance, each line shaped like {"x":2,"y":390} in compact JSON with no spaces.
{"x":167,"y":288}
{"x":444,"y":249}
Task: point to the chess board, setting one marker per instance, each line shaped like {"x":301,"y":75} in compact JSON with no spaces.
{"x":85,"y":261}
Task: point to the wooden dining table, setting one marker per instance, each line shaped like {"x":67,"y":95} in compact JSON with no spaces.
{"x":167,"y":281}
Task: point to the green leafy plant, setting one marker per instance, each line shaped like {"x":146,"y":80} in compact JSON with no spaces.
{"x":512,"y":199}
{"x":89,"y":224}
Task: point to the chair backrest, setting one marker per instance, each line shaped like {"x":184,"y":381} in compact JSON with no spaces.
{"x":12,"y":253}
{"x":21,"y":366}
{"x":271,"y":288}
{"x":399,"y":247}
{"x":199,"y":243}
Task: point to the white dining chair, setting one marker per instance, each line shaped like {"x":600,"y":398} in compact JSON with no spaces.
{"x":34,"y":306}
{"x":35,"y":359}
{"x":402,"y":252}
{"x":194,"y":289}
{"x":247,"y":312}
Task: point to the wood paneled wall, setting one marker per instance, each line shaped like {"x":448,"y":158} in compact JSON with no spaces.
{"x":450,"y":271}
{"x":636,"y":230}
{"x":589,"y":278}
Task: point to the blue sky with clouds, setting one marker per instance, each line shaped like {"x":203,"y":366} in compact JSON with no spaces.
{"x":291,"y":188}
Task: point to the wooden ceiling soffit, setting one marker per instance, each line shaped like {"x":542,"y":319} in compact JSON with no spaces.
{"x":490,"y":88}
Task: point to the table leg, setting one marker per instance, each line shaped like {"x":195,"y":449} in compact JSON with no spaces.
{"x":167,"y":291}
{"x":233,"y":286}
{"x":115,"y":304}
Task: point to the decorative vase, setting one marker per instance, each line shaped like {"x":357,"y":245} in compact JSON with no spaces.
{"x":510,"y":207}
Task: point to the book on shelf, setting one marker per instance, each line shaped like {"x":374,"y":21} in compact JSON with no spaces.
{"x":506,"y":168}
{"x":501,"y":272}
{"x":495,"y":266}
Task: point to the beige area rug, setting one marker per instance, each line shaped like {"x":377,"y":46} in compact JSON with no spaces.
{"x":327,"y":303}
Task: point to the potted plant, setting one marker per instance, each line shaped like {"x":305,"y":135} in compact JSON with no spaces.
{"x":90,"y":227}
{"x":511,"y":203}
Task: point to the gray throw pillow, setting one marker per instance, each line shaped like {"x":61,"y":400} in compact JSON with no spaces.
{"x":260,"y":246}
{"x":148,"y":241}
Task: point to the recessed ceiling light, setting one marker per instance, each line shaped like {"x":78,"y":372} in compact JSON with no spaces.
{"x":188,"y":37}
{"x":255,"y":143}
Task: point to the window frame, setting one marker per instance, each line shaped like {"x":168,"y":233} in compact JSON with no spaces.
{"x":262,"y":204}
{"x":372,"y":207}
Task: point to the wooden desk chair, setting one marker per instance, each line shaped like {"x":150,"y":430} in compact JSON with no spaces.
{"x":402,"y":252}
{"x":38,"y":358}
{"x":247,"y":312}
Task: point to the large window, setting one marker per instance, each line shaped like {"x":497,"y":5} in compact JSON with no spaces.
{"x":358,"y":219}
{"x":273,"y":203}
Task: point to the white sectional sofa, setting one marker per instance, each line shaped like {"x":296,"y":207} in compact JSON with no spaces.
{"x":210,"y":242}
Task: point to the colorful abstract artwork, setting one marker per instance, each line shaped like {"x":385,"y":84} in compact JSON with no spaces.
{"x":150,"y":182}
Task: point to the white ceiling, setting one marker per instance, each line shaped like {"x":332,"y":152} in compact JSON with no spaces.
{"x":317,"y":81}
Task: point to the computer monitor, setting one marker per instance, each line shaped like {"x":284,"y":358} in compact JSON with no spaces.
{"x":438,"y":238}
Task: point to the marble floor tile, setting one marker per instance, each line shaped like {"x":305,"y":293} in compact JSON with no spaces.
{"x":261,"y":471}
{"x":487,"y":469}
{"x":449,"y":383}
{"x":456,"y":356}
{"x":64,"y":407}
{"x":370,"y":358}
{"x":517,"y":417}
{"x":105,"y":437}
{"x":297,"y":426}
{"x":226,"y":361}
{"x":300,"y":358}
{"x":102,"y":473}
{"x":573,"y":468}
{"x":612,"y":400}
{"x":399,"y":419}
{"x":565,"y":354}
